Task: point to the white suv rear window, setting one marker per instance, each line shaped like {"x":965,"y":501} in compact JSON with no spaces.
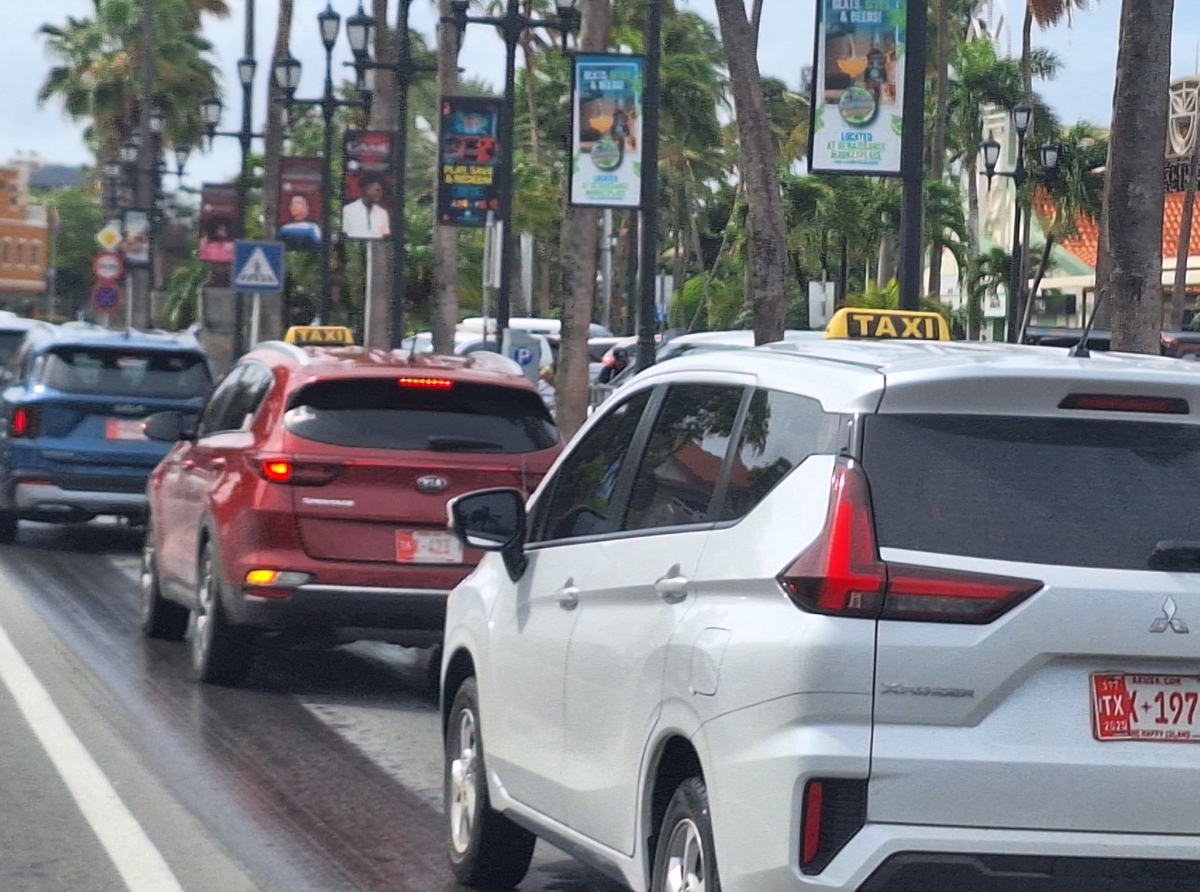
{"x":1068,"y":492}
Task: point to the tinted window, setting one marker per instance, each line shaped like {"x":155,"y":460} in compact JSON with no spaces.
{"x":9,"y":342}
{"x":678,"y":475}
{"x":217,"y":415}
{"x":379,"y":413}
{"x":1076,"y":493}
{"x":781,"y":431}
{"x":582,"y":493}
{"x":127,"y":373}
{"x":247,"y":396}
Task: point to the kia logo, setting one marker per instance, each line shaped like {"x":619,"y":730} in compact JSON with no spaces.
{"x":433,"y":484}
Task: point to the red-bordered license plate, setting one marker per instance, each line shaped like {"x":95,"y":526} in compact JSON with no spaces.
{"x":125,"y":429}
{"x":427,"y":547}
{"x":1156,"y":708}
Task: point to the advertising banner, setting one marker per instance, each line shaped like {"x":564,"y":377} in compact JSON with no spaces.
{"x":858,"y":87}
{"x":298,"y":224}
{"x":606,"y":122}
{"x":219,"y":213}
{"x":135,"y":244}
{"x":368,"y":185}
{"x":468,"y":181}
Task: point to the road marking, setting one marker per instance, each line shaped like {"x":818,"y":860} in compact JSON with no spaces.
{"x":139,"y":863}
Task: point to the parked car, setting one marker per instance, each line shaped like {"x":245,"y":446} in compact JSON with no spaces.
{"x":73,"y":410}
{"x":311,"y":497}
{"x":13,"y":329}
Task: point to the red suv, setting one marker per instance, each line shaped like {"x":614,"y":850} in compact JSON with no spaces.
{"x":311,"y":496}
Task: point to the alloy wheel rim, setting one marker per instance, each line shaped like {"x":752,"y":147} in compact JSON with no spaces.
{"x":464,"y":798}
{"x":202,"y":635}
{"x":685,"y":859}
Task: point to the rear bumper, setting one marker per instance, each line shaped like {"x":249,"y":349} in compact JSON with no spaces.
{"x":45,"y":500}
{"x":368,"y":609}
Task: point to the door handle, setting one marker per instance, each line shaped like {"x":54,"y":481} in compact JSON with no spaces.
{"x":673,"y":587}
{"x":568,"y":597}
{"x":187,"y":464}
{"x":217,"y":463}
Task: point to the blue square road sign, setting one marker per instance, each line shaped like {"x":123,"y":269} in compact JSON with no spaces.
{"x":258,"y":267}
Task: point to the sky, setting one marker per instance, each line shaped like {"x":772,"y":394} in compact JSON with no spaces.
{"x":1088,"y":49}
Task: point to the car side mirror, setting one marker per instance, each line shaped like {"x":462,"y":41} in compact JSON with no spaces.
{"x":168,"y":427}
{"x":493,"y":520}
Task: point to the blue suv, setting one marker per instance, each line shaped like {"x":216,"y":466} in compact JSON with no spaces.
{"x":72,"y":409}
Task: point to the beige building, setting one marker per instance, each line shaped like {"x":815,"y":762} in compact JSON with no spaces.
{"x":23,"y":240}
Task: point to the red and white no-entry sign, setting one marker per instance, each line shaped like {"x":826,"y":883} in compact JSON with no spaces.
{"x":108,"y":266}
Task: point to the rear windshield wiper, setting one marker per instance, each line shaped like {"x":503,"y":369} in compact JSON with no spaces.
{"x":1180,"y":557}
{"x":462,"y":444}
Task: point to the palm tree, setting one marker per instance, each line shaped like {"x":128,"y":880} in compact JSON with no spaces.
{"x":759,"y":167}
{"x":445,"y":238}
{"x":1130,"y":273}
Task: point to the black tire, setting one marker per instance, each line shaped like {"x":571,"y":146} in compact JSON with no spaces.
{"x":486,"y":849}
{"x":161,"y":618}
{"x":684,"y":854}
{"x":8,"y":528}
{"x":221,"y":653}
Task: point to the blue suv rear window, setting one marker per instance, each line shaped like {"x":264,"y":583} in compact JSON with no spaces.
{"x":105,"y":371}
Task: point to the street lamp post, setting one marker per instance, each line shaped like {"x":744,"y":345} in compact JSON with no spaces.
{"x":210,"y":116}
{"x":647,"y":324}
{"x":360,"y":30}
{"x":287,"y":78}
{"x":511,"y":26}
{"x":1022,"y":117}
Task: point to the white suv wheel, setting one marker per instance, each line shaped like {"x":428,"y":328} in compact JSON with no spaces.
{"x":464,"y":802}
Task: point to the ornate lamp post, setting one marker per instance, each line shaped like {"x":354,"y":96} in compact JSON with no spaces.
{"x":511,"y":25}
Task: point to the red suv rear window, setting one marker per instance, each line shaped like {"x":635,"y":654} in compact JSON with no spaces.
{"x":380,"y":413}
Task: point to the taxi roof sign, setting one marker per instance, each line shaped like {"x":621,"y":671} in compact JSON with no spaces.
{"x":320,"y":336}
{"x":859,"y":323}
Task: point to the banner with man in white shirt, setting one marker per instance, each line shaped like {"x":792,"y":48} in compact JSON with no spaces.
{"x":368,"y":185}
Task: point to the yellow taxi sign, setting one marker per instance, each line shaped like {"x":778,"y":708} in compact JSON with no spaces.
{"x":855,"y":322}
{"x":320,"y":336}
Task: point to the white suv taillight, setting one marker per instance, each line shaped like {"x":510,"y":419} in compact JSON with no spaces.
{"x":841,"y":573}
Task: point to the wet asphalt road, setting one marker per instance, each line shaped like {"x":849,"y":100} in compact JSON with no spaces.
{"x":321,"y":774}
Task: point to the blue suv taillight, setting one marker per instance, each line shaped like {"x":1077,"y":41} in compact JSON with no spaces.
{"x":25,"y":422}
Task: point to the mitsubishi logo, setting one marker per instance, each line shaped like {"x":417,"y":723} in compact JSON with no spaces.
{"x":1169,"y":619}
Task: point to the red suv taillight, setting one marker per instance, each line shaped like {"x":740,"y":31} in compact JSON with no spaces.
{"x":278,"y":469}
{"x":833,"y":811}
{"x":841,"y":573}
{"x":25,"y":422}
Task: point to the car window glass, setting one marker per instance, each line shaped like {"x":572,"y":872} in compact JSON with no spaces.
{"x":582,"y":493}
{"x":781,"y":430}
{"x":108,"y":371}
{"x":679,"y":472}
{"x":216,"y":414}
{"x":247,"y":397}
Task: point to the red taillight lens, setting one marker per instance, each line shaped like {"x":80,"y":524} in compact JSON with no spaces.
{"x":25,"y":422}
{"x":285,"y":470}
{"x":425,"y":382}
{"x":841,"y":574}
{"x":814,"y":795}
{"x":833,"y":811}
{"x":1098,"y":402}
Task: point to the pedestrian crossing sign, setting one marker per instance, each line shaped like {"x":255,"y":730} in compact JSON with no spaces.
{"x":258,"y":267}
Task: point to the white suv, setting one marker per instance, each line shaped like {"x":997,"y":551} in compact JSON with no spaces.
{"x":882,"y":617}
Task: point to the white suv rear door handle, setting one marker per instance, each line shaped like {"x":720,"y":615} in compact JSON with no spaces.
{"x":568,"y":597}
{"x":673,"y":587}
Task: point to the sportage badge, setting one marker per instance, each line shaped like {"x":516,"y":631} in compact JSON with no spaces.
{"x":1169,"y":619}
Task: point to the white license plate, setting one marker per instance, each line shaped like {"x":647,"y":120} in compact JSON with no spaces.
{"x":1156,"y":708}
{"x":125,"y":429}
{"x":427,"y":547}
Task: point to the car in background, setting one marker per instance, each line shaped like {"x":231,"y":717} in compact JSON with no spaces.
{"x":13,"y":329}
{"x":311,"y":497}
{"x":1177,"y":344}
{"x":73,"y":409}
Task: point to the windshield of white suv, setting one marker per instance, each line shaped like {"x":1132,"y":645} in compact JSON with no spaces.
{"x":1069,"y":492}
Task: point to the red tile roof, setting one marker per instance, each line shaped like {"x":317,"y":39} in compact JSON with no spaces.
{"x":1086,"y":243}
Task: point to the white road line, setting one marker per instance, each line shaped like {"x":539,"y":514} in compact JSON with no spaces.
{"x":138,"y":862}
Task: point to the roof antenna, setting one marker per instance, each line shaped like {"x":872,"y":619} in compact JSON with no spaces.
{"x":1080,"y":350}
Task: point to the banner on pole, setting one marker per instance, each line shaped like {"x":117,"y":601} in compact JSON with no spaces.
{"x":300,"y":203}
{"x":219,"y":212}
{"x":468,"y":182}
{"x":136,"y":242}
{"x":368,"y":185}
{"x":607,"y":94}
{"x":858,"y":87}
